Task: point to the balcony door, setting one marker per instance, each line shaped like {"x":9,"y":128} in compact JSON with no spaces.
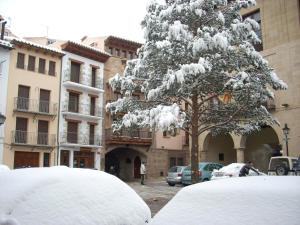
{"x":92,"y":106}
{"x":44,"y":101}
{"x":23,"y":98}
{"x":72,"y":136}
{"x":21,"y":130}
{"x":75,"y":72}
{"x":73,"y":105}
{"x":43,"y":132}
{"x":93,"y":78}
{"x":92,"y":134}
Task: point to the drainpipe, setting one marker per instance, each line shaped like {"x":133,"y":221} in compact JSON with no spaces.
{"x":3,"y":29}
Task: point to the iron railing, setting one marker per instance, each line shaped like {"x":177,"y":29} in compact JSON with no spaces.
{"x":84,"y":109}
{"x":33,"y":138}
{"x":98,"y":84}
{"x":81,"y":139}
{"x":35,"y":106}
{"x":127,"y":133}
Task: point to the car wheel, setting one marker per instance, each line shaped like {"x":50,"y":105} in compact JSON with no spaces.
{"x":281,"y":170}
{"x":171,"y":184}
{"x":204,"y":180}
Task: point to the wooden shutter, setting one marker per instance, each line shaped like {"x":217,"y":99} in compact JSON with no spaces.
{"x":23,"y":98}
{"x":75,"y":72}
{"x":92,"y":134}
{"x":44,"y":101}
{"x":93,"y":84}
{"x":73,"y":102}
{"x":21,"y":130}
{"x":31,"y":63}
{"x":20,"y":60}
{"x":42,"y":65}
{"x":92,"y":106}
{"x":72,"y":136}
{"x":51,"y":68}
{"x":43,"y":132}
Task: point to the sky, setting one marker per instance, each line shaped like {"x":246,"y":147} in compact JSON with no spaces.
{"x":71,"y":20}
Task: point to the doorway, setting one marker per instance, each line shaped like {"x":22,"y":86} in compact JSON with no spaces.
{"x":137,"y":165}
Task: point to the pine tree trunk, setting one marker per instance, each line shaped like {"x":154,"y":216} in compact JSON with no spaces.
{"x":194,"y":148}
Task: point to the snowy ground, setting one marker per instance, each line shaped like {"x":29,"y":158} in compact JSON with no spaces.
{"x":64,"y":196}
{"x":260,"y":200}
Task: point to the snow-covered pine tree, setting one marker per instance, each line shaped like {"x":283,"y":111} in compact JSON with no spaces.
{"x":198,"y":71}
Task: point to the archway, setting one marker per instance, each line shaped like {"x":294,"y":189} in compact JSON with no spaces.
{"x":261,"y":146}
{"x":125,"y":161}
{"x":220,"y":149}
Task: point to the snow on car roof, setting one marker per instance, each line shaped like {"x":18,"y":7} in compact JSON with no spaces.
{"x":65,"y":196}
{"x":259,"y":200}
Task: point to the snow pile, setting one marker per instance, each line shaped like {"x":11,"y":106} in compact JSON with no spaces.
{"x":64,"y":196}
{"x":247,"y":200}
{"x":4,"y":168}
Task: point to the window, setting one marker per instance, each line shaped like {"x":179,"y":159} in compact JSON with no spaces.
{"x":130,"y":55}
{"x":46,"y":159}
{"x":92,"y":106}
{"x":20,"y":61}
{"x":44,"y":101}
{"x":172,"y":161}
{"x":31,"y":63}
{"x":93,"y":78}
{"x":117,"y":52}
{"x":111,"y":50}
{"x":73,"y":102}
{"x":51,"y":68}
{"x":75,"y":72}
{"x":256,"y":16}
{"x":221,"y":156}
{"x":72,"y":136}
{"x":92,"y":134}
{"x":42,"y":65}
{"x":21,"y":130}
{"x":23,"y":98}
{"x":42,"y":132}
{"x":180,"y":162}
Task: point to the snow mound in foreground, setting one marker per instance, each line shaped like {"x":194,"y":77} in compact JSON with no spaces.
{"x":244,"y":200}
{"x":65,"y":196}
{"x":4,"y":168}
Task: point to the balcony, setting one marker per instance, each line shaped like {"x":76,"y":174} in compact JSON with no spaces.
{"x":77,"y":139}
{"x":35,"y":106}
{"x":81,"y":110}
{"x":134,"y":137}
{"x":33,"y":139}
{"x":83,"y":84}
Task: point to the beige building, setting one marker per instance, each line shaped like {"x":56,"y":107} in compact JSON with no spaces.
{"x":125,"y":151}
{"x":280,"y":34}
{"x":32,"y":104}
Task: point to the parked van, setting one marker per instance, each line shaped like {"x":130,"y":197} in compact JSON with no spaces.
{"x":283,"y":165}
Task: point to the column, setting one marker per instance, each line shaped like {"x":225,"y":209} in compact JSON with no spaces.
{"x":71,"y":159}
{"x":240,"y":155}
{"x":97,"y":160}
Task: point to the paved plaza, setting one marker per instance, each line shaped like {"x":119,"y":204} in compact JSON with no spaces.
{"x":156,"y":193}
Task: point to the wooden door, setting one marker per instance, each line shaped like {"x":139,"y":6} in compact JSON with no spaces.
{"x":44,"y":101}
{"x":64,"y":158}
{"x":137,"y":165}
{"x":23,"y":97}
{"x":72,"y":136}
{"x":21,"y":130}
{"x":43,"y":132}
{"x":26,"y":159}
{"x":83,"y":159}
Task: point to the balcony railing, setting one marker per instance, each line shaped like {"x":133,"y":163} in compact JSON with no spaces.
{"x":80,"y":139}
{"x":33,"y":138}
{"x":35,"y":106}
{"x":128,"y":136}
{"x":84,"y":109}
{"x":88,"y":82}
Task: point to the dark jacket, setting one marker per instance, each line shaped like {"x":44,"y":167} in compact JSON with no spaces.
{"x":245,"y":170}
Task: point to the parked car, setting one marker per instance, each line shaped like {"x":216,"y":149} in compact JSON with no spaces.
{"x":205,"y":170}
{"x":283,"y":166}
{"x":175,"y":175}
{"x":232,"y":170}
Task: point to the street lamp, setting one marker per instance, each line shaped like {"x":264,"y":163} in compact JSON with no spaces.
{"x":286,"y":131}
{"x":2,"y":119}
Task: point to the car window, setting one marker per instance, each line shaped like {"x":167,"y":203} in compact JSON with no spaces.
{"x":173,"y":169}
{"x":218,"y":166}
{"x":276,"y":162}
{"x":209,"y":167}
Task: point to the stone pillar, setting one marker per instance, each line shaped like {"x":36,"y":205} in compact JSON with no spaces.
{"x":71,"y":159}
{"x":97,"y":163}
{"x":240,"y":155}
{"x":102,"y":161}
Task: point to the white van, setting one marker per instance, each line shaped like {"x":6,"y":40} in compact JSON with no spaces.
{"x":283,"y":166}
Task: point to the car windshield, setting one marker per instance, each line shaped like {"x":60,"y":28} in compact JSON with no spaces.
{"x":175,"y":169}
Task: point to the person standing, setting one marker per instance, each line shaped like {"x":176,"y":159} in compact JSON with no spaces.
{"x":142,"y":172}
{"x":246,"y":168}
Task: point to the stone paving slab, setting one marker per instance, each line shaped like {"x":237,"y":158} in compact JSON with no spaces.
{"x":156,"y":193}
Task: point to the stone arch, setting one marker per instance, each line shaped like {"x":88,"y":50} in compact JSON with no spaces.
{"x":260,"y":146}
{"x":219,"y":148}
{"x":122,"y":160}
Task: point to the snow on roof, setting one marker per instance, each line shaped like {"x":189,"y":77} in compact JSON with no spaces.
{"x":260,"y":200}
{"x":6,"y":44}
{"x":89,"y":48}
{"x":14,"y":40}
{"x":65,"y":196}
{"x":123,"y":39}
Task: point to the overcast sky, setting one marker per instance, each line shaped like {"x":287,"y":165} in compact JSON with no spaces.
{"x":67,"y":19}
